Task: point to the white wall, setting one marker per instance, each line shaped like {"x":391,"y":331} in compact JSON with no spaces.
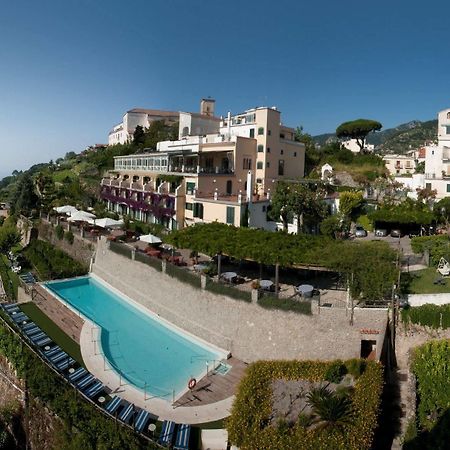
{"x":444,"y":127}
{"x":423,"y":299}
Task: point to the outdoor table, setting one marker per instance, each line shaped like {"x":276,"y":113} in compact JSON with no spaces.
{"x":305,"y":290}
{"x":101,"y":399}
{"x":229,"y":276}
{"x":266,"y":284}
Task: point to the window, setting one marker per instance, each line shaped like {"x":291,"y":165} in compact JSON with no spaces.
{"x":247,"y":164}
{"x":230,"y":215}
{"x":264,"y":208}
{"x":428,"y":186}
{"x":260,"y":148}
{"x":281,"y":167}
{"x":281,"y":152}
{"x":398,"y":171}
{"x":185,"y":131}
{"x":259,"y":165}
{"x":189,"y":206}
{"x":448,"y":115}
{"x":190,"y":188}
{"x":198,"y":210}
{"x":448,"y":130}
{"x":432,"y":152}
{"x":252,"y":132}
{"x":229,"y":187}
{"x":281,"y":135}
{"x":267,"y":164}
{"x":269,"y":132}
{"x":259,"y":180}
{"x":295,"y":154}
{"x":268,"y":149}
{"x":260,"y":130}
{"x":448,"y":187}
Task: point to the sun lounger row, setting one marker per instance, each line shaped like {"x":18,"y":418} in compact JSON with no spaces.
{"x":171,"y":430}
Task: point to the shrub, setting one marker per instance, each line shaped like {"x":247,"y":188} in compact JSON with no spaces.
{"x":248,"y":426}
{"x":59,"y":231}
{"x":269,"y":301}
{"x":438,"y":246}
{"x":435,"y":316}
{"x":68,"y":236}
{"x":335,"y":372}
{"x":355,"y":367}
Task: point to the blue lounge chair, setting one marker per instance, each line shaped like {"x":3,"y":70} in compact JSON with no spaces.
{"x":167,"y":431}
{"x":27,"y":326}
{"x":10,"y":308}
{"x":127,"y":413}
{"x":36,"y":337}
{"x":113,"y":405}
{"x":182,"y":439}
{"x":63,"y":365}
{"x":141,"y":420}
{"x":19,"y":317}
{"x":58,"y":356}
{"x":32,"y":330}
{"x":94,"y":389}
{"x":85,"y":381}
{"x":43,"y":341}
{"x":80,"y":372}
{"x":52,"y":351}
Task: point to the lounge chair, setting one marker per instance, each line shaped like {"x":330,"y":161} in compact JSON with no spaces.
{"x":94,"y":389}
{"x":20,"y":317}
{"x":63,"y":365}
{"x":127,"y":413}
{"x":182,"y":439}
{"x":38,"y":336}
{"x":52,"y":351}
{"x":44,"y":341}
{"x":59,"y":357}
{"x":85,"y":381}
{"x":141,"y":420}
{"x":167,"y":432}
{"x":32,"y":330}
{"x":29,"y":325}
{"x":113,"y":405}
{"x":80,"y":372}
{"x":10,"y":308}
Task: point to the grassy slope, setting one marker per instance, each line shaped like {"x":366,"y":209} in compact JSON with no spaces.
{"x":422,"y":282}
{"x":53,"y":331}
{"x":7,"y":274}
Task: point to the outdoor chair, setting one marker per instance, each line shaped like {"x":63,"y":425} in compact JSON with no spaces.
{"x":113,"y":405}
{"x":85,"y":381}
{"x":141,"y":420}
{"x":127,"y":413}
{"x":81,"y":371}
{"x":182,"y":439}
{"x":167,"y":431}
{"x":94,"y":389}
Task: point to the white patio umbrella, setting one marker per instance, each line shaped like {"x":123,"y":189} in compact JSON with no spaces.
{"x":106,"y":222}
{"x":81,"y":216}
{"x":150,"y":239}
{"x":66,"y":209}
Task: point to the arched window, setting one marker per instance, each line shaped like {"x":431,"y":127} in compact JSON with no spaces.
{"x":185,"y":131}
{"x":448,"y":115}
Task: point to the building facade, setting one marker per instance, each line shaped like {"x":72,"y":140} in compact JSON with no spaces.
{"x":123,"y":132}
{"x":400,"y":165}
{"x":220,"y":169}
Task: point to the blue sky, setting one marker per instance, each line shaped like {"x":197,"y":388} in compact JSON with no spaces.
{"x":70,"y":69}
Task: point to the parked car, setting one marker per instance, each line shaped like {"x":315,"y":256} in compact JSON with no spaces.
{"x":360,"y":231}
{"x":396,"y":233}
{"x":380,"y":232}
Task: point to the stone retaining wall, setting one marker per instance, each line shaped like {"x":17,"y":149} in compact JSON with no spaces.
{"x":249,"y":331}
{"x":423,"y":299}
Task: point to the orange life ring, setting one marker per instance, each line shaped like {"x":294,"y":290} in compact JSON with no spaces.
{"x":192,"y":383}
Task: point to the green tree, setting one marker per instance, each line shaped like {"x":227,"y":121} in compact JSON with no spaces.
{"x":139,"y":136}
{"x":441,"y":210}
{"x":312,"y":156}
{"x":24,"y":199}
{"x":158,"y":131}
{"x":279,"y":206}
{"x":357,"y":129}
{"x":306,"y":203}
{"x":9,"y":237}
{"x":350,"y":205}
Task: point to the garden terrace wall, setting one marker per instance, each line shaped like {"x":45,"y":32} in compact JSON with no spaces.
{"x":246,"y":329}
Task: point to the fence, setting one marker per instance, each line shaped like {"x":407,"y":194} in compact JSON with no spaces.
{"x":149,"y":260}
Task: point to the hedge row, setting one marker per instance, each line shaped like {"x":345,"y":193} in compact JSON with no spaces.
{"x":435,"y":316}
{"x":248,"y":425}
{"x":85,"y":426}
{"x":51,"y":262}
{"x":438,"y":246}
{"x":269,"y":301}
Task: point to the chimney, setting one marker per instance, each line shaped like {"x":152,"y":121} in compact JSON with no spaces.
{"x":207,"y":106}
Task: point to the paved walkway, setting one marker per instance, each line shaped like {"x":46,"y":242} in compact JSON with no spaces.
{"x":158,"y":407}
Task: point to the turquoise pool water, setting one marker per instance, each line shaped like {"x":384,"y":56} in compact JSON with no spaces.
{"x":148,"y":353}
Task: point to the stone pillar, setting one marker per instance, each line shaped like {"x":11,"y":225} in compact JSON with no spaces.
{"x":255,"y":295}
{"x":133,"y":254}
{"x":163,"y":265}
{"x":203,"y":281}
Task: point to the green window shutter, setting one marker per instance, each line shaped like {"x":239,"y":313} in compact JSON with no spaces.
{"x":190,"y":186}
{"x":230,"y":215}
{"x":259,"y":165}
{"x":260,"y":148}
{"x":260,"y":130}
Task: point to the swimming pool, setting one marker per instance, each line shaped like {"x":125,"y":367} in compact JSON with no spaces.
{"x":143,"y":349}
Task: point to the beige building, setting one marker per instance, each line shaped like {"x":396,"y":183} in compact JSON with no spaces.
{"x":219,"y":169}
{"x":399,"y":165}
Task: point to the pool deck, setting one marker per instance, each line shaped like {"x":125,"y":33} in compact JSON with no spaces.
{"x":204,"y":408}
{"x":62,"y":316}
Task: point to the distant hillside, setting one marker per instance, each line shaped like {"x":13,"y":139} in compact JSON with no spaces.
{"x":400,"y":139}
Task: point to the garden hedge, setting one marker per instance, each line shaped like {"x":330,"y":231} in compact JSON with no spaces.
{"x":435,"y":316}
{"x":438,"y":246}
{"x":248,"y":424}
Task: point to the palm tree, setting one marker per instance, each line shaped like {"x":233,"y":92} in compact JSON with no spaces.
{"x":332,"y":410}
